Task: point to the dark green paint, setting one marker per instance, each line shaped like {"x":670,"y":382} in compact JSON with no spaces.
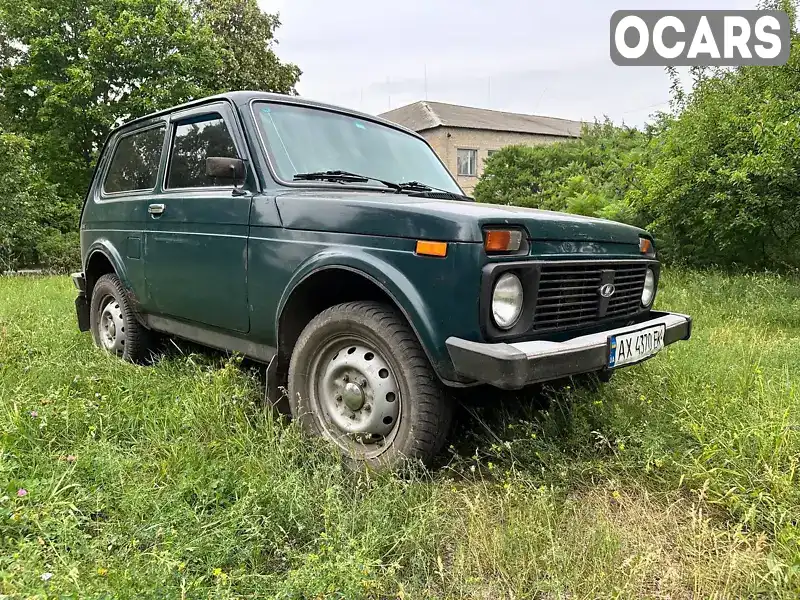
{"x":229,"y":263}
{"x":398,"y":215}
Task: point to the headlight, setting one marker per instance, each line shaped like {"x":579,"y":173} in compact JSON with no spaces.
{"x":649,"y":291}
{"x":507,"y":301}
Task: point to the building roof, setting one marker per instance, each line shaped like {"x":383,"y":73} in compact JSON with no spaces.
{"x":423,"y":115}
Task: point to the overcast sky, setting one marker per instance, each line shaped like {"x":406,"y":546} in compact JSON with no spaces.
{"x":532,"y":56}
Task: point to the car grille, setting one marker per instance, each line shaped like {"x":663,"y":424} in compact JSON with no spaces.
{"x":569,"y":294}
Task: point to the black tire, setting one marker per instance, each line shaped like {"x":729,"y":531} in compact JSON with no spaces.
{"x":425,"y":409}
{"x":135,"y":341}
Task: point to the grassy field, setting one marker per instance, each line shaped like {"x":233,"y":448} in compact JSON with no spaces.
{"x":677,"y":480}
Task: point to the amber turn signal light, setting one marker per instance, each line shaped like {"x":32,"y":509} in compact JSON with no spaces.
{"x":646,"y":247}
{"x":426,"y":248}
{"x":502,"y":240}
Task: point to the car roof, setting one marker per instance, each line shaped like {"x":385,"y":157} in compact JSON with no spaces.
{"x":238,"y":98}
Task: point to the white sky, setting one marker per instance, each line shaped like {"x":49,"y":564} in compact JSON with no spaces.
{"x":530,"y":56}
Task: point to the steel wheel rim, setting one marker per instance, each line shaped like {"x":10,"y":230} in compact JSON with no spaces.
{"x":355,"y":395}
{"x":111,"y":326}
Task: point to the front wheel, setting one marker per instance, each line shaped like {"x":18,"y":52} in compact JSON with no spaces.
{"x":359,"y":377}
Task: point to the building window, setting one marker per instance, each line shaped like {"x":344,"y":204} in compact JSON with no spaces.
{"x":467,"y":162}
{"x":491,"y":153}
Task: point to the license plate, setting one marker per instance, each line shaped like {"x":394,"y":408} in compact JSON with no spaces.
{"x":628,"y":348}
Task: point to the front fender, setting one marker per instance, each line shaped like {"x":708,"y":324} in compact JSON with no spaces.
{"x":392,"y":281}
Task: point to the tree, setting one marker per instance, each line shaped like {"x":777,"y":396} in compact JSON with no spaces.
{"x":588,"y":176}
{"x":724,"y":189}
{"x":245,"y":36}
{"x":716,"y":180}
{"x":70,"y":70}
{"x":34,"y":223}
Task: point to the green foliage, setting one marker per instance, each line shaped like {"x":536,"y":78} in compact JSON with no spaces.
{"x":717,"y":182}
{"x":36,"y":226}
{"x":70,"y":70}
{"x":724,"y":187}
{"x":587,"y":176}
{"x":243,"y":35}
{"x":676,"y":480}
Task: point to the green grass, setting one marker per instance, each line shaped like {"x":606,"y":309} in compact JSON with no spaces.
{"x":677,"y":480}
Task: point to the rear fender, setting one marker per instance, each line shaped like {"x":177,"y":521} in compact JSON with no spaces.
{"x":107,"y":249}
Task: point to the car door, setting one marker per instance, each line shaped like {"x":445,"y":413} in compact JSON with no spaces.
{"x":196,"y":239}
{"x":115,"y":216}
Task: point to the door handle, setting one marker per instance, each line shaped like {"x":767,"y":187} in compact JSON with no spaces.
{"x":156,"y":209}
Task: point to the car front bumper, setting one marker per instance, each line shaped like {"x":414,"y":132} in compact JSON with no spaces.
{"x":514,"y":365}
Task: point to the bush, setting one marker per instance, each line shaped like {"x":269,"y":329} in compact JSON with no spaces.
{"x":724,"y":189}
{"x":37,"y":228}
{"x":587,"y":176}
{"x":717,"y":182}
{"x":59,"y":251}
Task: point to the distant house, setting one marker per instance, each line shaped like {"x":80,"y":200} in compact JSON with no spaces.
{"x":465,"y":137}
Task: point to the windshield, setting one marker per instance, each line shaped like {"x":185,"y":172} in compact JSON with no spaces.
{"x":310,"y":140}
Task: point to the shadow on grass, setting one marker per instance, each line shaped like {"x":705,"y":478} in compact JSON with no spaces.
{"x":539,"y":429}
{"x":490,"y":425}
{"x":175,"y":348}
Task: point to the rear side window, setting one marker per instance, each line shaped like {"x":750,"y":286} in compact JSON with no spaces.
{"x":134,"y":165}
{"x":194,"y":141}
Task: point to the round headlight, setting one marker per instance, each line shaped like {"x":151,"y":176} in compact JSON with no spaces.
{"x":649,"y":291}
{"x":507,"y":301}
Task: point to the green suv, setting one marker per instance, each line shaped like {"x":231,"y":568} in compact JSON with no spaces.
{"x":336,"y":248}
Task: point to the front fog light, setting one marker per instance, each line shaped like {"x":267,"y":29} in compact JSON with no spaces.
{"x":507,"y":301}
{"x":649,"y":291}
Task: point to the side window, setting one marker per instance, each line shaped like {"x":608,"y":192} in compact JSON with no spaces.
{"x":134,"y":165}
{"x":195,"y":140}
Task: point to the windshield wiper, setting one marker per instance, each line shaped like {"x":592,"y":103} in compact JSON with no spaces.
{"x":414,"y":187}
{"x":423,"y":189}
{"x":341,"y":176}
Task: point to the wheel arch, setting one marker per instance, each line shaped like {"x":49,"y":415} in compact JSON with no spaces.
{"x":103,"y":258}
{"x":332,"y":279}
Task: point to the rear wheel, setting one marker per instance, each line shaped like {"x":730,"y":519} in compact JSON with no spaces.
{"x":113,"y":321}
{"x":359,"y":378}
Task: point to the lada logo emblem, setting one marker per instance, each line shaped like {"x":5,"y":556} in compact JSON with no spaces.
{"x":608,"y":290}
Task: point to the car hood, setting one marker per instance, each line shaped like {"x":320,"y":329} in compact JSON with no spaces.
{"x":399,"y":215}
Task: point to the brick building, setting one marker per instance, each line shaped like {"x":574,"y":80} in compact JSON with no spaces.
{"x":465,"y":137}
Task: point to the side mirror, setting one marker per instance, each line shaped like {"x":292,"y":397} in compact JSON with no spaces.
{"x":221,"y":167}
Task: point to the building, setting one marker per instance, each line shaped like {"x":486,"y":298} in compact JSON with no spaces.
{"x":465,"y":137}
